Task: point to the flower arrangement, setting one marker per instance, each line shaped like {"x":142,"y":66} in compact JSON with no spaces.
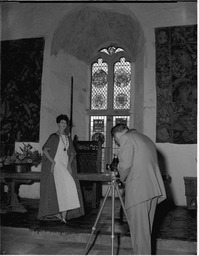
{"x":27,"y":156}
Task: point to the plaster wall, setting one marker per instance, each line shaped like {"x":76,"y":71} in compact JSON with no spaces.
{"x":57,"y":99}
{"x":41,"y":20}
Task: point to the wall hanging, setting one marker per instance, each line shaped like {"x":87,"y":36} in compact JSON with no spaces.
{"x":176,"y":84}
{"x":21,"y":72}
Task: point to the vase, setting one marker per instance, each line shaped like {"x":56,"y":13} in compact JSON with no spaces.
{"x":22,"y":168}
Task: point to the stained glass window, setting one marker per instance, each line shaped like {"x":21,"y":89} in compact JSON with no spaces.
{"x":99,"y":85}
{"x":111,"y":50}
{"x":119,"y":119}
{"x":111,"y":82}
{"x":122,"y":84}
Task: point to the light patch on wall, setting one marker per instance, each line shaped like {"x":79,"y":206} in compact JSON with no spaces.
{"x":184,"y":14}
{"x":30,"y":191}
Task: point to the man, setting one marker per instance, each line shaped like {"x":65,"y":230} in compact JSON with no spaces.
{"x":144,"y":187}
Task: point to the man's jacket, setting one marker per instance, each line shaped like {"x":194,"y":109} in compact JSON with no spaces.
{"x":139,"y":169}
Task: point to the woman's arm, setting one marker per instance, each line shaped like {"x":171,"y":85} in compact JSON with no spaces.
{"x":46,"y":153}
{"x":71,"y":151}
{"x":71,"y":154}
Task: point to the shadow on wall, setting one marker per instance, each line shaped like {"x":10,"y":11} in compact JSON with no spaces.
{"x":164,"y":207}
{"x":167,"y":179}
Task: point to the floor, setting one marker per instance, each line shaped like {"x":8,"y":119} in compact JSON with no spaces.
{"x":175,"y":232}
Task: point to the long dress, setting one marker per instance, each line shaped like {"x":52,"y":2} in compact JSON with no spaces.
{"x":65,"y":186}
{"x":48,"y":205}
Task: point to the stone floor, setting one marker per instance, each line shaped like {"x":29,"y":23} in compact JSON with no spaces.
{"x":175,"y":232}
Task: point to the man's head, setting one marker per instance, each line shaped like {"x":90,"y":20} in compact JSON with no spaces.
{"x":117,"y":131}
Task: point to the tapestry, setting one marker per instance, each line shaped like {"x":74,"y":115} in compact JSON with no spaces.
{"x":21,"y":72}
{"x":176,"y":84}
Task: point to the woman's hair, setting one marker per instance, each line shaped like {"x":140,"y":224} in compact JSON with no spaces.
{"x":119,"y":128}
{"x":62,"y":117}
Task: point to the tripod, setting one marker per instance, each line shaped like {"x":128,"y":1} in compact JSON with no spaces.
{"x":113,"y":185}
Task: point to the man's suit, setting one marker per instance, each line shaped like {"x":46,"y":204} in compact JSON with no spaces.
{"x":144,"y":187}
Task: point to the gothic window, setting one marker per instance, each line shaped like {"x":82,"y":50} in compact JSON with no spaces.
{"x":99,"y":85}
{"x":110,"y":101}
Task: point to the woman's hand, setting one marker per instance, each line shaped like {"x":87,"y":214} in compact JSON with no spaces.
{"x":46,"y":153}
{"x":52,"y":167}
{"x":69,"y":169}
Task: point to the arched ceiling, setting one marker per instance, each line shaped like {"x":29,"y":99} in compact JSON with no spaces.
{"x":88,"y":29}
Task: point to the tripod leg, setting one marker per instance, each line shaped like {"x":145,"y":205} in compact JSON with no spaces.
{"x":113,"y":219}
{"x":122,"y":203}
{"x":96,"y":221}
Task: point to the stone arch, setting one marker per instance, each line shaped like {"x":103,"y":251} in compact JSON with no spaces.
{"x":89,"y":28}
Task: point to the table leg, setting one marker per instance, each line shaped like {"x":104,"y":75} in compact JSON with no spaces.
{"x":15,"y":205}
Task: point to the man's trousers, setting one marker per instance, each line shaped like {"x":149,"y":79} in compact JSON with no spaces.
{"x":141,"y":218}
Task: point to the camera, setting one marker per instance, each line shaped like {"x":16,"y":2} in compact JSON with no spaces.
{"x":113,"y":166}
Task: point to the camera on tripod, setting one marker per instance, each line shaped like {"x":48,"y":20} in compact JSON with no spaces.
{"x":113,"y":186}
{"x":113,"y":166}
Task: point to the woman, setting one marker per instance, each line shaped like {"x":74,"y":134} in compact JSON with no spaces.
{"x":60,"y":192}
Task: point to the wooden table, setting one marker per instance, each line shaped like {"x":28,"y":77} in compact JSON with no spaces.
{"x":11,"y":178}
